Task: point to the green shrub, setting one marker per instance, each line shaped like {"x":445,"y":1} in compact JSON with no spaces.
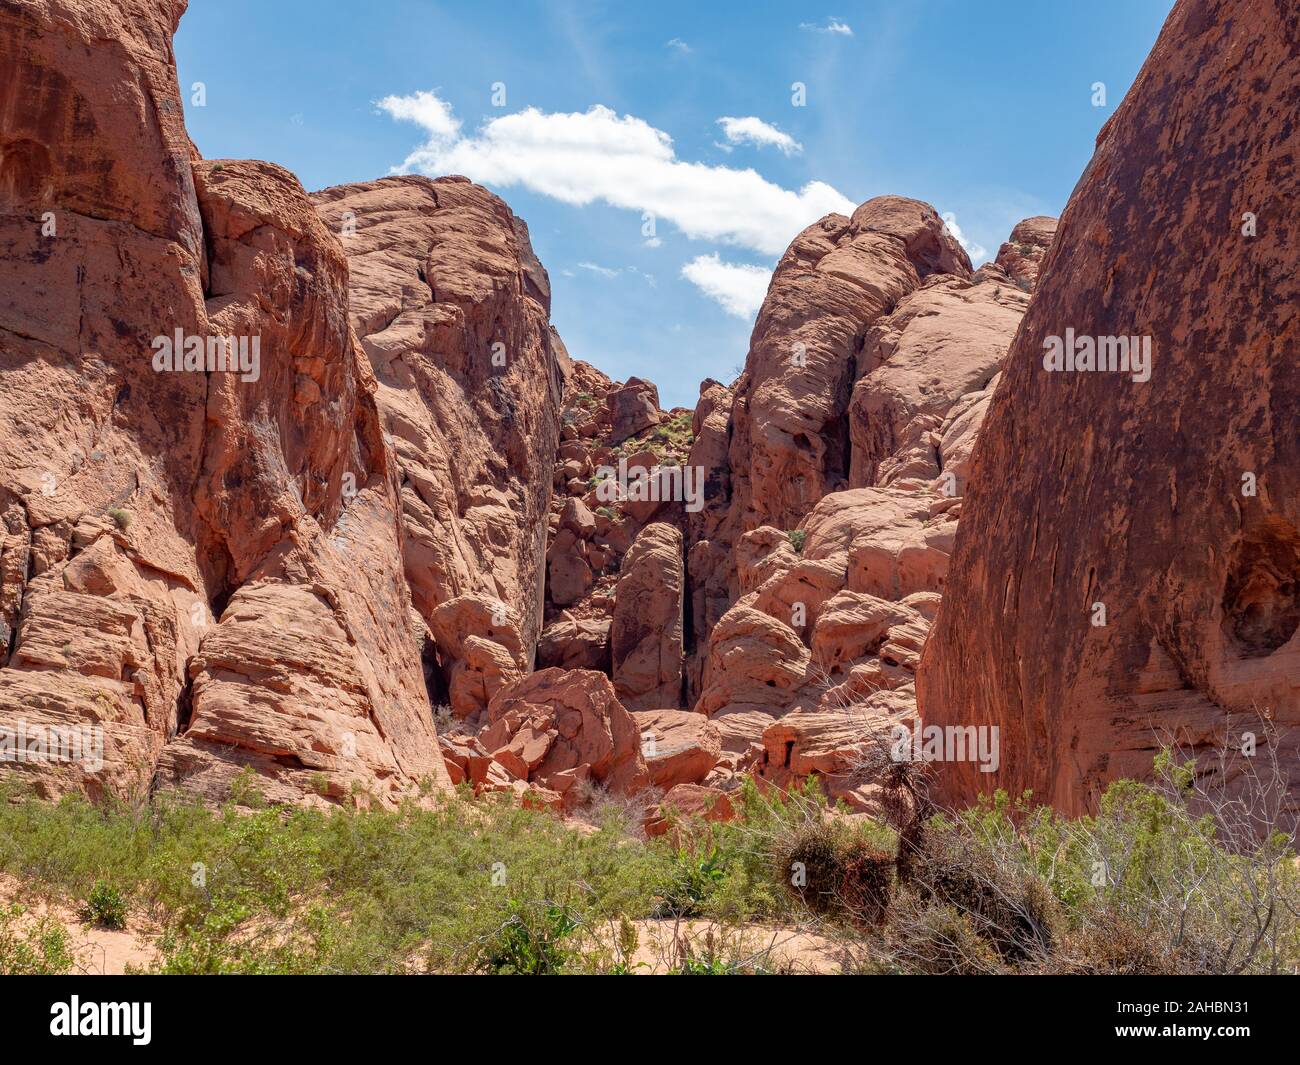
{"x":695,"y":878}
{"x":105,"y":906}
{"x":530,"y":942}
{"x":41,"y":950}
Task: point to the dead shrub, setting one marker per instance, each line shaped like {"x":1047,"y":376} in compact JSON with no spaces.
{"x":867,"y":883}
{"x":1009,"y":907}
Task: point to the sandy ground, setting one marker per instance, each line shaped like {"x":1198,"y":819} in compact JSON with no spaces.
{"x":662,"y":944}
{"x":98,"y":951}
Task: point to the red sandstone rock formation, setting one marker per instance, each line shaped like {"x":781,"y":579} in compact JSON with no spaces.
{"x":224,"y":572}
{"x":190,"y":555}
{"x":781,"y":440}
{"x":565,"y":731}
{"x":612,"y":606}
{"x":451,"y":306}
{"x":1172,"y":502}
{"x":821,"y":628}
{"x":646,"y":632}
{"x":789,"y":444}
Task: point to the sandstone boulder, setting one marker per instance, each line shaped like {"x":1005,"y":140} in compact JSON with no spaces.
{"x":645,"y":636}
{"x":575,"y":644}
{"x":679,"y":746}
{"x":564,"y":728}
{"x":633,"y":409}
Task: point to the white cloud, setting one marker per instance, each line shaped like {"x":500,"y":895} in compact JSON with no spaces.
{"x":598,"y":156}
{"x":424,"y":109}
{"x":604,"y":271}
{"x":975,"y":250}
{"x":751,"y":130}
{"x":738,"y":287}
{"x":678,"y":45}
{"x":832,"y":25}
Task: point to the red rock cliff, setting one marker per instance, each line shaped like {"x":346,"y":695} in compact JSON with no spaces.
{"x":1171,"y":504}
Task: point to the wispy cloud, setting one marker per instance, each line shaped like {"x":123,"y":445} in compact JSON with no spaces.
{"x":974,"y":249}
{"x":611,"y":272}
{"x":831,"y":25}
{"x":738,"y":287}
{"x":679,"y":46}
{"x":599,"y":156}
{"x":751,"y":130}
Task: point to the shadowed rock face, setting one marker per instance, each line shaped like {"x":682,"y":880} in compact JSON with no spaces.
{"x":1174,"y":503}
{"x":451,"y":305}
{"x":176,"y":566}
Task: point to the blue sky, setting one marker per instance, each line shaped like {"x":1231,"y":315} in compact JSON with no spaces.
{"x":612,"y":110}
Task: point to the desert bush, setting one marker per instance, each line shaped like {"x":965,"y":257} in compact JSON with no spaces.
{"x":529,"y":942}
{"x":935,"y":939}
{"x":695,"y":877}
{"x":867,"y":883}
{"x":986,"y":881}
{"x":105,"y":906}
{"x":813,"y":864}
{"x":38,"y":950}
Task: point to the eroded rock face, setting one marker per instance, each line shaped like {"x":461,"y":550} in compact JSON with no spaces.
{"x":646,"y":633}
{"x":944,"y":342}
{"x":1174,"y":502}
{"x":789,"y":444}
{"x":824,"y":623}
{"x":177,"y":565}
{"x":782,"y":438}
{"x":451,"y":306}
